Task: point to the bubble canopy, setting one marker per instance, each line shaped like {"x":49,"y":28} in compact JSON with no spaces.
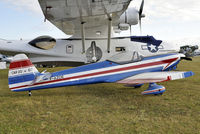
{"x":126,"y":57}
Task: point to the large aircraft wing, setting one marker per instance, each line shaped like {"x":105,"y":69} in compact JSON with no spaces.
{"x":68,"y":15}
{"x":155,"y":77}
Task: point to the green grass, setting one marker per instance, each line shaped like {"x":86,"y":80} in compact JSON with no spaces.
{"x":103,"y":108}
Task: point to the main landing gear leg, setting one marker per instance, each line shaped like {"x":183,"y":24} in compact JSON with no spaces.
{"x":109,"y":33}
{"x":29,"y":93}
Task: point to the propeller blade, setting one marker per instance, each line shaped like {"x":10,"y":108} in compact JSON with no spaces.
{"x":140,"y":23}
{"x":141,"y":8}
{"x":186,"y":58}
{"x":141,"y":15}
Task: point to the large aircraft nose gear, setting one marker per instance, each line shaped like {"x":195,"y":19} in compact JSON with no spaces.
{"x":154,"y":89}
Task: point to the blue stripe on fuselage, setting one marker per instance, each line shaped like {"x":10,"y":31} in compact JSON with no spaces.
{"x":100,"y":65}
{"x":21,"y":78}
{"x":172,"y":66}
{"x":158,"y":56}
{"x":89,"y":67}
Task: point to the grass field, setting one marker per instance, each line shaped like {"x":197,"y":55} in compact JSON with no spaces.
{"x":103,"y":108}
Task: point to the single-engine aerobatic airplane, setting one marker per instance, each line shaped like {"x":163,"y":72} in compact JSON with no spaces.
{"x":126,"y":68}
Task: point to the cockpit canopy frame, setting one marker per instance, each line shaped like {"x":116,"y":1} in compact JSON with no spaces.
{"x":126,"y":57}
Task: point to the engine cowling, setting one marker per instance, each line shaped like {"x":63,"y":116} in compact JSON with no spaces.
{"x":129,"y":17}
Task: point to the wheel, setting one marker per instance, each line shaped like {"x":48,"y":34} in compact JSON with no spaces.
{"x":158,"y":94}
{"x":29,"y":93}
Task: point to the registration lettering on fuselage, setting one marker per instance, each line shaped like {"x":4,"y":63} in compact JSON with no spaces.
{"x":57,"y":77}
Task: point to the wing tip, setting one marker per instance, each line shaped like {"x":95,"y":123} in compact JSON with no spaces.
{"x":188,"y":74}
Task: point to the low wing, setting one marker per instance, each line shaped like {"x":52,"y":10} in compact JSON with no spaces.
{"x":67,"y":15}
{"x":155,"y":77}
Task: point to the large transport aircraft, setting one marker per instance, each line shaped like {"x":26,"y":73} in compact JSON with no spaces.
{"x":125,"y":68}
{"x":92,"y":25}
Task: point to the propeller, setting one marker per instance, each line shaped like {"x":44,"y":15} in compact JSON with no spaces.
{"x":141,"y":15}
{"x":186,"y":58}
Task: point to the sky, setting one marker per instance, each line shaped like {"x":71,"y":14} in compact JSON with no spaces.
{"x":165,"y":19}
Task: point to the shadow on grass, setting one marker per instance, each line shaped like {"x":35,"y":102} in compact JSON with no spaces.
{"x":98,"y":90}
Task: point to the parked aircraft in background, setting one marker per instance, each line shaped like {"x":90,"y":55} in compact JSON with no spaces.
{"x":197,"y":53}
{"x":124,"y":68}
{"x":188,"y":46}
{"x":4,"y":58}
{"x":189,"y":51}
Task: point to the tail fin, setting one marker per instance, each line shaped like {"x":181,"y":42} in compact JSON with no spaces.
{"x":21,"y":73}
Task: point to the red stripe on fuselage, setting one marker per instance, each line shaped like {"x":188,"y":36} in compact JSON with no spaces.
{"x":104,"y":72}
{"x":19,"y":64}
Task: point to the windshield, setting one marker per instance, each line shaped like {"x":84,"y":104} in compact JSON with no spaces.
{"x":126,"y":57}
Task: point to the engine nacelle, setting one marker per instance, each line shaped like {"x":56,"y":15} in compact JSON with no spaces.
{"x":130,"y":17}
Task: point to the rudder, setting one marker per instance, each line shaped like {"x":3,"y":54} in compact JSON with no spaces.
{"x":21,"y":72}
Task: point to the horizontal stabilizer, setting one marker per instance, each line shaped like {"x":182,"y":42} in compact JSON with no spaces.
{"x":155,"y":77}
{"x":146,"y":39}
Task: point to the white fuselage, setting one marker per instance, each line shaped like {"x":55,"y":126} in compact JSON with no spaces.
{"x":70,"y":50}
